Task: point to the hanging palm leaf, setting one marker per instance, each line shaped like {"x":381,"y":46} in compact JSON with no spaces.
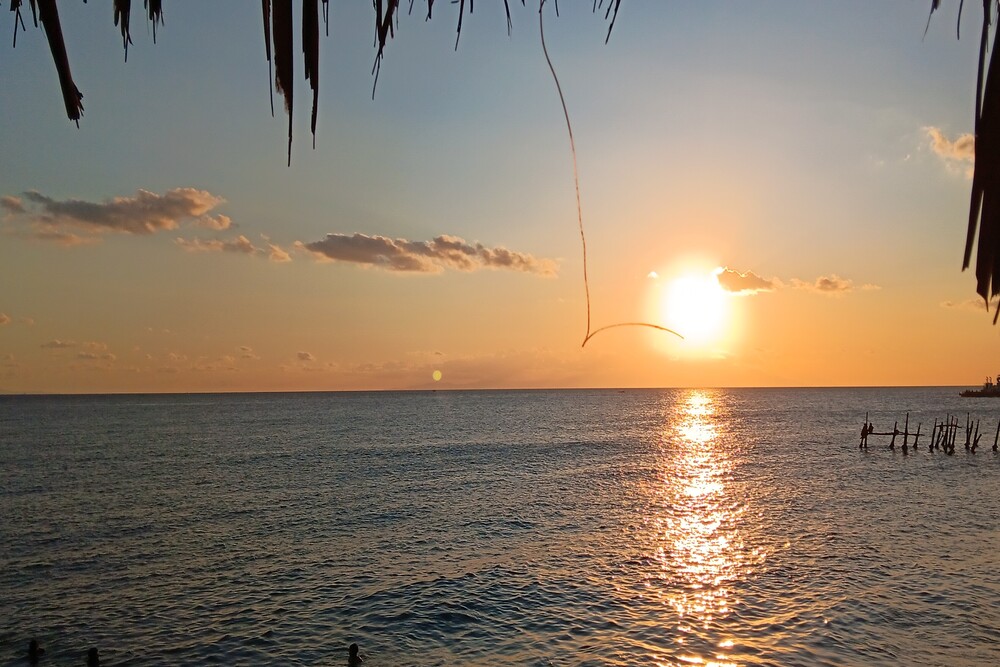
{"x":48,"y":14}
{"x":281,"y":30}
{"x":123,"y":9}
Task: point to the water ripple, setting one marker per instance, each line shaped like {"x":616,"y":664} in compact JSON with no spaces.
{"x":531,"y":528}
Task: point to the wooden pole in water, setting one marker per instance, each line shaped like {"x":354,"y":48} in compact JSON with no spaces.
{"x":933,"y":435}
{"x":975,"y":438}
{"x":916,"y":438}
{"x":895,"y":432}
{"x":996,"y":437}
{"x":906,"y":429}
{"x":968,"y":430}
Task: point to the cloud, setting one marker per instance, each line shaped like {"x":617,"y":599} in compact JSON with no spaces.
{"x":216,"y":222}
{"x":305,"y":356}
{"x":975,"y":303}
{"x":240,"y":244}
{"x":277,"y":254}
{"x":224,"y":363}
{"x":90,"y":356}
{"x":748,"y":283}
{"x":12,"y":204}
{"x":832,"y":284}
{"x":246,"y":352}
{"x":7,"y":319}
{"x":745,"y":283}
{"x":57,"y":344}
{"x":434,"y":256}
{"x":76,"y":221}
{"x":961,"y":150}
{"x":66,"y":239}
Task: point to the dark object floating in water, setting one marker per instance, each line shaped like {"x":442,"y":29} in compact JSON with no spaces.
{"x":989,"y":390}
{"x":34,"y":652}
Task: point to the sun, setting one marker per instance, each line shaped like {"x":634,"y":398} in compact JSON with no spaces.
{"x":696,"y":306}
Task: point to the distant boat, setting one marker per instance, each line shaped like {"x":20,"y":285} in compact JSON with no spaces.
{"x":989,"y":390}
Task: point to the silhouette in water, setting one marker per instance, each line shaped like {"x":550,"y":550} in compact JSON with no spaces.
{"x":34,"y":652}
{"x":93,"y":660}
{"x":353,"y":657}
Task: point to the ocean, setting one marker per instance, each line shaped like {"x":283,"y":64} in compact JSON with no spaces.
{"x":591,"y":527}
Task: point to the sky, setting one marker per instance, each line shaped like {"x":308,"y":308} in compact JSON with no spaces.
{"x":784,"y":183}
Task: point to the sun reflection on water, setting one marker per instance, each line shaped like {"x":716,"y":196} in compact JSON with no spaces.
{"x":697,"y":540}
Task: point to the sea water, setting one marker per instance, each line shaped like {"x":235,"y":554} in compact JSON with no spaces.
{"x":659,"y":527}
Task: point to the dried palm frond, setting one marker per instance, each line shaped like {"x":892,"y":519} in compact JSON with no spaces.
{"x":266,"y":6}
{"x":984,"y":205}
{"x":48,"y":14}
{"x":15,"y":6}
{"x":310,"y":49}
{"x":278,"y":41}
{"x":613,"y":13}
{"x":281,"y":30}
{"x":154,"y":14}
{"x":123,"y":10}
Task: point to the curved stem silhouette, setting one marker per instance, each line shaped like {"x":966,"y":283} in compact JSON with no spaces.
{"x":579,"y":207}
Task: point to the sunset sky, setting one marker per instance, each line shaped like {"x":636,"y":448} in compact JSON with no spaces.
{"x":798,"y":171}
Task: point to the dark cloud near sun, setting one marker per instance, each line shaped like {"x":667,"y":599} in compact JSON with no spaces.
{"x":745,"y":283}
{"x":434,"y":256}
{"x":76,"y":221}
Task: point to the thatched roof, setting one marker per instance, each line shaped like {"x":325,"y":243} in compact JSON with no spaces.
{"x":984,"y":207}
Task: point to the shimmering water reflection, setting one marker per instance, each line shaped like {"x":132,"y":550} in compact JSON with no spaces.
{"x":696,"y":531}
{"x":481,"y":529}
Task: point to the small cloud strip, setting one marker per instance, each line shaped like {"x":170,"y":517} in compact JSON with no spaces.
{"x":434,"y":256}
{"x":749,"y":283}
{"x":240,"y":245}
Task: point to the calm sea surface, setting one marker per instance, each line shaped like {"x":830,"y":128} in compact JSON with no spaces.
{"x":673,"y":527}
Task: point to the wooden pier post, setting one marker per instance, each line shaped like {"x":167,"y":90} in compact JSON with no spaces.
{"x":916,"y":438}
{"x":953,"y":434}
{"x":895,"y":432}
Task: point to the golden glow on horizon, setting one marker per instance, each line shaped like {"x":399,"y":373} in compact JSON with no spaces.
{"x":436,"y":376}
